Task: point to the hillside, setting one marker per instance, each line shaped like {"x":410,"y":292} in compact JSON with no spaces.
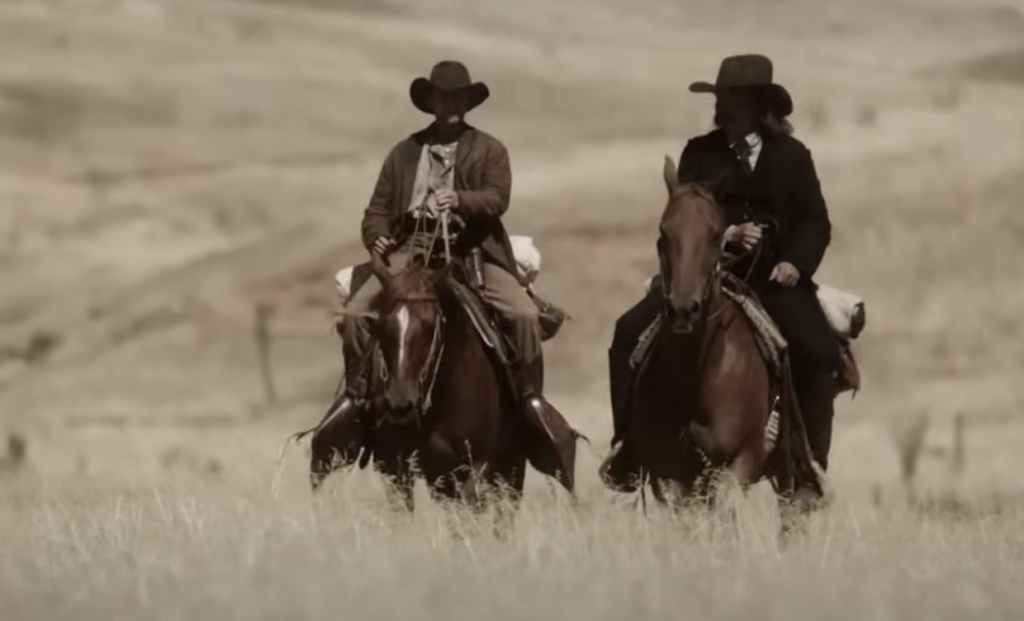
{"x":165,"y":166}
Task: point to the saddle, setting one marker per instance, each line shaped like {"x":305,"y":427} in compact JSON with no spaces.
{"x":484,"y":318}
{"x":844,"y":312}
{"x":487,"y":322}
{"x":528,"y":261}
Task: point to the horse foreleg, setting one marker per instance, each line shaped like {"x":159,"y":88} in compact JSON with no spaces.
{"x":401,"y":493}
{"x":399,"y":483}
{"x":729,"y":485}
{"x":473,"y":490}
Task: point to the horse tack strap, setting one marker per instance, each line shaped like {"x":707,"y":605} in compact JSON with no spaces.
{"x":763,"y":324}
{"x":644,"y":344}
{"x":477,"y":314}
{"x":420,"y":298}
{"x":434,"y":357}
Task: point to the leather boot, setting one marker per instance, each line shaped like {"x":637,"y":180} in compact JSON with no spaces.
{"x":342,"y":429}
{"x":529,"y":379}
{"x":619,"y":471}
{"x":552,"y":447}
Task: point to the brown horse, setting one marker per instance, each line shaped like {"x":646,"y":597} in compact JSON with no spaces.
{"x":445,"y":405}
{"x":705,"y":390}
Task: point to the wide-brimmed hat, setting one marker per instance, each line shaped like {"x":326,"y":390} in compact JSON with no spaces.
{"x":449,"y":75}
{"x":749,"y":71}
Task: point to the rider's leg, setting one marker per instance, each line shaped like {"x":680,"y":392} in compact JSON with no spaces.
{"x":814,"y":355}
{"x":357,"y":320}
{"x":506,"y":295}
{"x":619,"y":470}
{"x":340,"y":430}
{"x":816,"y":393}
{"x":553,"y":442}
{"x":628,"y":329}
{"x":357,"y":323}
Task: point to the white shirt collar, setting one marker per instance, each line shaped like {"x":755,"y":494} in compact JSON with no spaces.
{"x":754,"y":140}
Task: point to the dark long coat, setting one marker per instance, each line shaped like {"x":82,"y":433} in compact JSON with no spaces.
{"x":784,"y":188}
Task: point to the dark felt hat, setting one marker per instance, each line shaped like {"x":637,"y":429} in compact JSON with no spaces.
{"x":749,"y":71}
{"x":449,"y":75}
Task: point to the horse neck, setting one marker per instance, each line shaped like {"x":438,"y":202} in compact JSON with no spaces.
{"x":465,"y":372}
{"x":724,"y":317}
{"x":459,"y":335}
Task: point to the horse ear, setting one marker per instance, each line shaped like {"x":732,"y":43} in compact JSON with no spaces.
{"x":671,"y":176}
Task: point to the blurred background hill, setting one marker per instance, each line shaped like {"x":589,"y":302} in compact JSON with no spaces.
{"x":166,"y":167}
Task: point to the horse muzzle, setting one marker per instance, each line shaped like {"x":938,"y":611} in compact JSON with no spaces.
{"x":401,"y":416}
{"x":401,"y":401}
{"x":683,"y":318}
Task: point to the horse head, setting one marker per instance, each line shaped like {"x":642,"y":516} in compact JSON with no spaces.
{"x":689,"y":249}
{"x":410,"y":332}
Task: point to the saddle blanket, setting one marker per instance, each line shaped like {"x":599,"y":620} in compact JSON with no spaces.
{"x":526,"y":254}
{"x":844,"y":310}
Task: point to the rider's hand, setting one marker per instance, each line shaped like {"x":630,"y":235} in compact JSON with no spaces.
{"x":785,"y":274}
{"x":747,"y":234}
{"x":447,"y":199}
{"x":383,"y":245}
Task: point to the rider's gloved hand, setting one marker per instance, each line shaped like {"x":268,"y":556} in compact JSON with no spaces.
{"x":383,"y":245}
{"x":447,"y":199}
{"x":747,"y":234}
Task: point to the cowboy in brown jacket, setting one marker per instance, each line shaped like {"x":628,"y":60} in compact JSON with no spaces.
{"x":449,"y":166}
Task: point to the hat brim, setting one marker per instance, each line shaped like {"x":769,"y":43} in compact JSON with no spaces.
{"x":421,"y":89}
{"x":702,"y":87}
{"x":779,"y":97}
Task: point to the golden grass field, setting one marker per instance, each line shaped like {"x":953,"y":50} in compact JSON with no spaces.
{"x":168,"y":165}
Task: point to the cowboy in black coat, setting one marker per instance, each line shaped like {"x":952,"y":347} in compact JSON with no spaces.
{"x":766,"y":183}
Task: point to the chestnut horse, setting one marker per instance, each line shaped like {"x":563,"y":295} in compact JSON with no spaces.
{"x":704,"y":390}
{"x":445,"y":405}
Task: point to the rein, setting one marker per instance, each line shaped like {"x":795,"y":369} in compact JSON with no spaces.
{"x":428,"y":375}
{"x":709,"y":312}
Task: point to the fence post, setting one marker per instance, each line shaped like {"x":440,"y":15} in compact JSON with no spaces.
{"x":261,"y":325}
{"x":958,"y":460}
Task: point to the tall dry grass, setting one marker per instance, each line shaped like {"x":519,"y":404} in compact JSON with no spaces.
{"x":216,"y":553}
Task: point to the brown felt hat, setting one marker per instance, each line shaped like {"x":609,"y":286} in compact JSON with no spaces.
{"x":749,"y":71}
{"x":449,"y":75}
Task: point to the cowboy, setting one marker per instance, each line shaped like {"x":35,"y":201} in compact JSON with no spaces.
{"x":448,"y":166}
{"x":760,"y":175}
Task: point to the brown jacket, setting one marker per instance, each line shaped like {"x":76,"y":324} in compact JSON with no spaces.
{"x":483,"y":181}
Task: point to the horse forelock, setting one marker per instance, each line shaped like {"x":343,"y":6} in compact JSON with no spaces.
{"x":687,"y":199}
{"x":414,"y":284}
{"x":700,"y":189}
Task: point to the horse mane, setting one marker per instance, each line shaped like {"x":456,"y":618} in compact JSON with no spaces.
{"x":700,"y":189}
{"x":414,"y":283}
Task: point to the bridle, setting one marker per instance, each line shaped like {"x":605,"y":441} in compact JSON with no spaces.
{"x":714,"y":279}
{"x":428,"y":373}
